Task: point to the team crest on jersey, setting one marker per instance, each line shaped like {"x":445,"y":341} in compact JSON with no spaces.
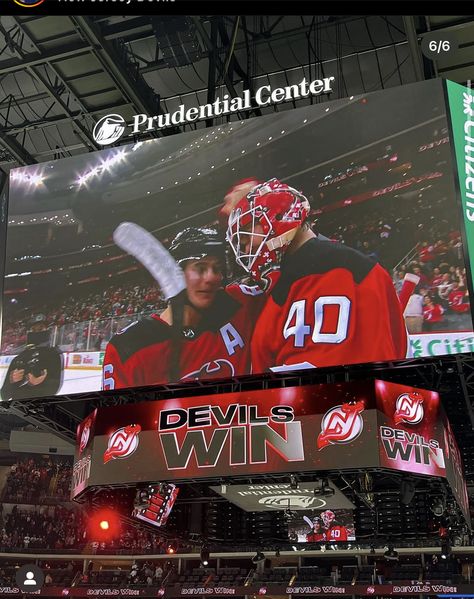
{"x":122,"y":443}
{"x":216,"y":369}
{"x":341,"y":424}
{"x":409,"y":408}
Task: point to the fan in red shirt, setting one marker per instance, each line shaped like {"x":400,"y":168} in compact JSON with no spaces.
{"x":211,"y":339}
{"x":457,"y":299}
{"x":426,"y":253}
{"x":333,"y":532}
{"x":437,"y":278}
{"x":328,"y":304}
{"x":432,"y":314}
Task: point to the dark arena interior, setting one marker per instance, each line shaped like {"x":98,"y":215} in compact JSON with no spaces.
{"x":269,"y":503}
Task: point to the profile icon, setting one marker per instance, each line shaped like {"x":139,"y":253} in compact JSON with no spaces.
{"x":29,"y":578}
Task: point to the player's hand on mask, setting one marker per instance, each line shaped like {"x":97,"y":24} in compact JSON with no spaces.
{"x":235,"y":194}
{"x":37,"y":380}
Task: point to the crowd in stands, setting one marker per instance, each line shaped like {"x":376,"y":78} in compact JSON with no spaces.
{"x":441,"y":297}
{"x":34,"y":478}
{"x":61,"y":528}
{"x":388,"y":228}
{"x":421,"y":232}
{"x":120,"y":303}
{"x":49,"y":527}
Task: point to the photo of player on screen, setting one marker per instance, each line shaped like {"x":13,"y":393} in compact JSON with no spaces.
{"x":323,"y":296}
{"x":331,"y":526}
{"x":352,"y":231}
{"x":205,"y":330}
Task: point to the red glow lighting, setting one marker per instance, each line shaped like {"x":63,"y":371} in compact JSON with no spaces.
{"x":104,"y":525}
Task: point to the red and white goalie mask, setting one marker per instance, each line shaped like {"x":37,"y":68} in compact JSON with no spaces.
{"x":328,"y":518}
{"x":263,"y":224}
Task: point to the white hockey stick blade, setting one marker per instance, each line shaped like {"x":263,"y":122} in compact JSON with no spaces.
{"x":308,"y":522}
{"x":142,"y":245}
{"x":289,"y":367}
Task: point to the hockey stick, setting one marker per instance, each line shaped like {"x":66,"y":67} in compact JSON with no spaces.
{"x":308,"y":522}
{"x":142,"y":245}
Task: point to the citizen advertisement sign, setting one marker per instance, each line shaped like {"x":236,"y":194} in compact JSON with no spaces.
{"x":280,"y":496}
{"x":368,"y":424}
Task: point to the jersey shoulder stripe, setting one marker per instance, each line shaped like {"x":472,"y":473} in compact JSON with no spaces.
{"x":318,"y":257}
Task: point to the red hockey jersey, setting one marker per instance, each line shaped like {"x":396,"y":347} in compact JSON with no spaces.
{"x":331,"y":305}
{"x":457,"y":301}
{"x":434,"y":314}
{"x":336,"y":533}
{"x":218,"y":348}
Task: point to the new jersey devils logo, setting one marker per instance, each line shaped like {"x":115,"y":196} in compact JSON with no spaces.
{"x":341,"y":424}
{"x":85,"y":435}
{"x":217,"y":369}
{"x":122,"y":443}
{"x":409,"y":408}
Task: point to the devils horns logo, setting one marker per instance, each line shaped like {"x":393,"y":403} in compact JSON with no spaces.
{"x":122,"y":443}
{"x":212,"y":370}
{"x":85,"y":435}
{"x":409,"y":408}
{"x":341,"y":424}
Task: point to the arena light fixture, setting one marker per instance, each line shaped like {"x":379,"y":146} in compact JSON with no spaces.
{"x":324,"y":489}
{"x":205,"y":555}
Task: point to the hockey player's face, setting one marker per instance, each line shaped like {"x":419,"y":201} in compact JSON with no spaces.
{"x":203,"y":280}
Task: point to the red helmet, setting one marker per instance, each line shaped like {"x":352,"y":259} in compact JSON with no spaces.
{"x":263,"y":224}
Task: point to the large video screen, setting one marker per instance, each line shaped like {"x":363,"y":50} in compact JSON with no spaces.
{"x":332,"y":526}
{"x":313,"y":237}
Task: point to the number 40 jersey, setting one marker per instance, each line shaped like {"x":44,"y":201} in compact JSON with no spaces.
{"x":331,"y":306}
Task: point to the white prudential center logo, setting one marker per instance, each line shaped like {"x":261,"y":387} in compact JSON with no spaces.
{"x":109,"y":129}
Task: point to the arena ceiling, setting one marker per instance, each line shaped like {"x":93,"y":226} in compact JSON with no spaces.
{"x":60,"y":74}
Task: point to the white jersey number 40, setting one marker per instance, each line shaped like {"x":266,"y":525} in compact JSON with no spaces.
{"x":296,"y":326}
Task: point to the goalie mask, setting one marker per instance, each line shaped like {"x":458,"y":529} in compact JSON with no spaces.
{"x":263,"y":224}
{"x":328,"y":517}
